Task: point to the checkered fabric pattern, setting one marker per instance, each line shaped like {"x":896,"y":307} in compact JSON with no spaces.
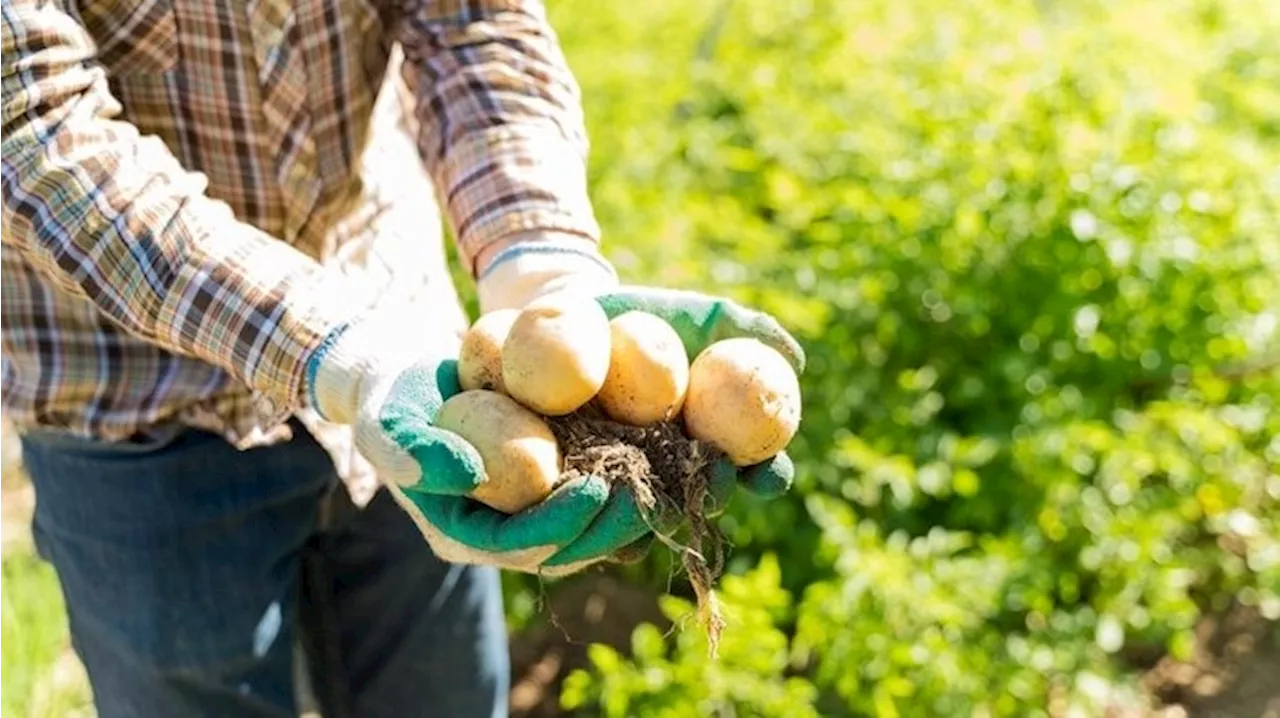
{"x":195,"y":193}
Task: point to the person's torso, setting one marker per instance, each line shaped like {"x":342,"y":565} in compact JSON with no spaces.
{"x":295,"y":113}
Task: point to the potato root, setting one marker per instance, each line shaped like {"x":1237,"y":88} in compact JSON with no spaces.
{"x":556,"y":356}
{"x":522,"y":460}
{"x":743,"y":399}
{"x":648,"y":371}
{"x":480,"y":357}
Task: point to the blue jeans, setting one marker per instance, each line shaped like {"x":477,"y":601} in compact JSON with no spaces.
{"x":201,"y":580}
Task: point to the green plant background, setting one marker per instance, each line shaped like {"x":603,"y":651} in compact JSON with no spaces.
{"x":1033,"y":253}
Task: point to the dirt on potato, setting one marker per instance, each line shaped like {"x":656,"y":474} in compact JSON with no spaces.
{"x":670,"y":475}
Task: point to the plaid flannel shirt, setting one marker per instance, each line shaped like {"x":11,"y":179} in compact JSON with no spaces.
{"x":197,"y":191}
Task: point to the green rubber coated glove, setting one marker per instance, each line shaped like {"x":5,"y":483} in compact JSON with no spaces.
{"x":543,"y":264}
{"x":700,"y":320}
{"x":389,"y":385}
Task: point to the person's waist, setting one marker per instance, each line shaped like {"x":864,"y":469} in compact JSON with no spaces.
{"x":67,"y":390}
{"x":143,"y":439}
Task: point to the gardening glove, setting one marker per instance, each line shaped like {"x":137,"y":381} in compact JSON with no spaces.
{"x":547,"y":265}
{"x":700,"y":321}
{"x":388,"y":381}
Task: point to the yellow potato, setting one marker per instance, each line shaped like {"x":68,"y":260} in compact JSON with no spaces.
{"x":556,"y":355}
{"x":744,"y":399}
{"x":520,"y":454}
{"x":648,"y":371}
{"x":480,"y":358}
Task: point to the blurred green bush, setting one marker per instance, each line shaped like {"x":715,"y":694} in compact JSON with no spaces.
{"x":1033,"y":250}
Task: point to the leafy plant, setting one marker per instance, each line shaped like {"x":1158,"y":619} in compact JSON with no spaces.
{"x":748,"y":677}
{"x":1033,"y":251}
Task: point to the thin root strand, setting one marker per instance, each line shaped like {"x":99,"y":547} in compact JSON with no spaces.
{"x":670,"y":476}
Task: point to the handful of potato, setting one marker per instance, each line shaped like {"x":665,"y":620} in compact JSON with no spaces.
{"x":550,"y":359}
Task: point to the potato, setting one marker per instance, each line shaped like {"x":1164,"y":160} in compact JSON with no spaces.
{"x":520,"y":454}
{"x":744,"y":399}
{"x":480,"y":358}
{"x":556,"y":355}
{"x":648,"y":370}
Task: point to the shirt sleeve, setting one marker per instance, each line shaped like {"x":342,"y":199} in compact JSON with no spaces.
{"x":110,"y":215}
{"x":500,"y":119}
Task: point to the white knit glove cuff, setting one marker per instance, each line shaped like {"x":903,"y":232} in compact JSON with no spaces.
{"x":370,"y":351}
{"x":529,"y":270}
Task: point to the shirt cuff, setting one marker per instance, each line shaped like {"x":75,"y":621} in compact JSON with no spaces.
{"x":512,"y":180}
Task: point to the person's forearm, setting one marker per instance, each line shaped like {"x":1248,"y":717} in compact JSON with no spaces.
{"x":501,"y":125}
{"x":111,"y":216}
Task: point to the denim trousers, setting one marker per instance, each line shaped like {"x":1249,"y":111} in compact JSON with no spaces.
{"x":202,"y":580}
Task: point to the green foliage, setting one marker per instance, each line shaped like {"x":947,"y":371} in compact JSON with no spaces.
{"x":36,"y":682}
{"x":1033,"y":252}
{"x":746,"y":678}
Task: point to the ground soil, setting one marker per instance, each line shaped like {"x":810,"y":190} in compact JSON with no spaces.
{"x":1235,"y":672}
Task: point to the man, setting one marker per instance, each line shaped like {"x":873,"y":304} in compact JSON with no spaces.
{"x":228,"y":324}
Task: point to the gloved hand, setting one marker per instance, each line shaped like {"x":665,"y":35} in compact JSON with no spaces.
{"x":700,"y":321}
{"x":533,"y":269}
{"x":388,"y":383}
